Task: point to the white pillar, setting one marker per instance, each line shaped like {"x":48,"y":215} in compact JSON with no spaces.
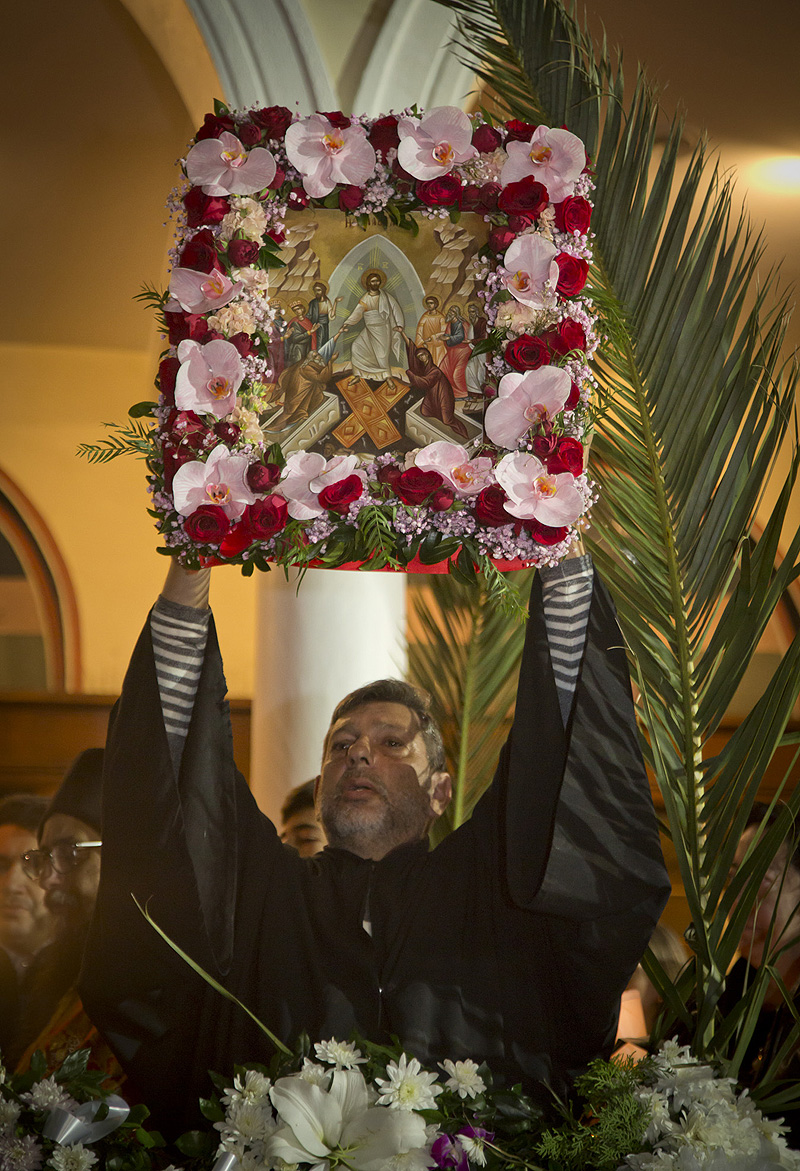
{"x":340,"y":630}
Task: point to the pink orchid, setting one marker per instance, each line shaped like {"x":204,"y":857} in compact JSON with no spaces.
{"x":220,"y":480}
{"x":431,"y":146}
{"x":525,"y":400}
{"x":222,"y":166}
{"x":208,"y":378}
{"x":531,"y":271}
{"x":307,"y":473}
{"x":201,"y":292}
{"x":553,"y":157}
{"x":467,"y":476}
{"x":535,"y":494}
{"x":325,"y":154}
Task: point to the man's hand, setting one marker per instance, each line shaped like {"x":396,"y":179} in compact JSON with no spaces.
{"x":187,"y":587}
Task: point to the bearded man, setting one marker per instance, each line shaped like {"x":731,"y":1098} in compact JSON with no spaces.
{"x":379,"y":314}
{"x":511,"y":942}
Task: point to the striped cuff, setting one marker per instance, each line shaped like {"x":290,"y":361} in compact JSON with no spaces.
{"x":179,"y":640}
{"x":567,"y":595}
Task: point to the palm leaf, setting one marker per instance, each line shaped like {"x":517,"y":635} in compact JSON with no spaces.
{"x":698,"y":401}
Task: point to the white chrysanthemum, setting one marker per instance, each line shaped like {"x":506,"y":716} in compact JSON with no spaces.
{"x":342,"y":1054}
{"x":314,"y":1074}
{"x":408,"y":1086}
{"x":464,"y":1078}
{"x":251,"y":1121}
{"x":661,"y":1123}
{"x":671,"y":1053}
{"x":474,"y":1149}
{"x":253,"y":1087}
{"x":74,"y":1158}
{"x":47,"y":1094}
{"x":20,"y":1154}
{"x":9,"y":1113}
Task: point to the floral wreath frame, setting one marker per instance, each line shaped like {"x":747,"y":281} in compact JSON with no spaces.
{"x":222,"y":494}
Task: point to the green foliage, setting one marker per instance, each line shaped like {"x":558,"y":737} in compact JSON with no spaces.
{"x":125,"y":439}
{"x":697,"y":400}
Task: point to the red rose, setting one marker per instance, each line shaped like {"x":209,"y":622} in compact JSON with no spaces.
{"x":490,"y":193}
{"x":167,"y":373}
{"x":350,"y":197}
{"x":174,"y":457}
{"x":278,"y":179}
{"x":517,"y":131}
{"x":527,"y":353}
{"x":236,"y":540}
{"x":565,"y":337}
{"x":336,"y":118}
{"x":486,"y":139}
{"x":262,"y":477}
{"x":441,"y":499}
{"x":572,"y":274}
{"x":297,"y":198}
{"x":489,"y":507}
{"x":500,"y":239}
{"x":415,"y":486}
{"x":267,"y":517}
{"x":567,"y":457}
{"x":242,"y":252}
{"x":200,"y":253}
{"x":214,"y":125}
{"x":185,"y":325}
{"x":389,"y":474}
{"x":545,"y":534}
{"x":249,"y":134}
{"x":573,"y":214}
{"x":471,"y":198}
{"x":204,"y":209}
{"x":207,"y":525}
{"x":274,"y":120}
{"x":442,"y":192}
{"x":574,"y":397}
{"x":187,"y":428}
{"x":243,"y":343}
{"x":383,"y":136}
{"x":525,"y":198}
{"x":227,"y":432}
{"x":339,"y":496}
{"x":275,"y":235}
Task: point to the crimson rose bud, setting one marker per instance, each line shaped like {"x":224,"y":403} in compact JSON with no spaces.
{"x":350,"y":197}
{"x":526,"y":198}
{"x":383,"y":136}
{"x":297,"y":198}
{"x":339,"y":496}
{"x":275,"y":235}
{"x":267,"y":517}
{"x":213,"y":126}
{"x":441,"y":499}
{"x":207,"y":525}
{"x":389,"y":474}
{"x":261,"y":477}
{"x":517,"y":131}
{"x":249,"y":134}
{"x":415,"y":486}
{"x":471,"y":198}
{"x":490,"y":193}
{"x":204,"y":209}
{"x":243,"y":343}
{"x":167,"y":373}
{"x":336,"y":118}
{"x":567,"y":457}
{"x":187,"y":427}
{"x":227,"y":432}
{"x":573,"y":214}
{"x":572,"y":274}
{"x":236,"y":540}
{"x":200,"y":253}
{"x":278,"y":179}
{"x":500,"y":238}
{"x":489,"y":507}
{"x":173,"y":458}
{"x":574,"y":397}
{"x":486,"y":139}
{"x":242,"y":252}
{"x":275,"y":120}
{"x":568,"y":335}
{"x":527,"y":353}
{"x":185,"y":325}
{"x":544,"y":446}
{"x":441,"y":192}
{"x":545,"y":534}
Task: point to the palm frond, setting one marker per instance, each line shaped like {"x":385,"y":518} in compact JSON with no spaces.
{"x":698,"y":401}
{"x":132,"y":438}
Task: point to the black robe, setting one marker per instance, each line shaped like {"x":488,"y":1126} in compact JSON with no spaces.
{"x":511,"y":941}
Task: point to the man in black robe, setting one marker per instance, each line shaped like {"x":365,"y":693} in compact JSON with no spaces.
{"x":511,"y":941}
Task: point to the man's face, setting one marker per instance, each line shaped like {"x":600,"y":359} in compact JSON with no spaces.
{"x":473,"y":312}
{"x":776,"y":907}
{"x":25,"y":923}
{"x":430,"y":304}
{"x":376,"y":790}
{"x":374,"y":283}
{"x":319,"y":290}
{"x":302,"y":831}
{"x":71,"y":896}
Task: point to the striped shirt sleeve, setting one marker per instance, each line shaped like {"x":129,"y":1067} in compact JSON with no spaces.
{"x":179,"y":641}
{"x":567,"y":595}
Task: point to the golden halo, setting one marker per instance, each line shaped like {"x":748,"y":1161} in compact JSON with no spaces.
{"x":377,"y":271}
{"x":319,"y":282}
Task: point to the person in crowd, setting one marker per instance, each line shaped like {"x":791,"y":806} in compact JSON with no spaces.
{"x":25,"y":922}
{"x":66,"y":865}
{"x":299,"y":825}
{"x":321,"y":312}
{"x":458,"y":352}
{"x":511,"y":942}
{"x":641,"y":1001}
{"x":431,"y":330}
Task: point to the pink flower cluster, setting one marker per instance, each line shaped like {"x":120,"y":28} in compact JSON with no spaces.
{"x":220,"y":491}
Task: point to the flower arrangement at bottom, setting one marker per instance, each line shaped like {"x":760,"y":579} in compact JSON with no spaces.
{"x":354,"y":1105}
